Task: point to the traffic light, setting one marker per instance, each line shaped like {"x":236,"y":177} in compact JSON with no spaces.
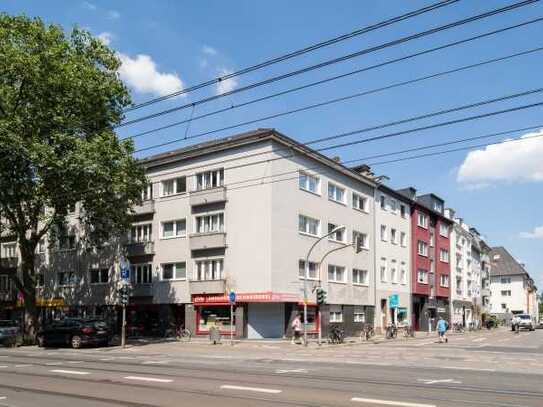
{"x":124,"y":294}
{"x":321,"y":296}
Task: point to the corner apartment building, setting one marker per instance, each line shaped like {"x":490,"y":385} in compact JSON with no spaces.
{"x":512,"y":289}
{"x":430,"y":259}
{"x":237,"y":214}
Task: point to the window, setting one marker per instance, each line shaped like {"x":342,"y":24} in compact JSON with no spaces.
{"x":210,"y":270}
{"x":384,"y":234}
{"x":361,"y":203}
{"x":444,"y":255}
{"x":10,"y":250}
{"x":147,"y":192}
{"x":210,"y":223}
{"x":360,"y":277}
{"x":444,"y":230}
{"x":67,"y":242}
{"x":403,"y":211}
{"x":71,"y":208}
{"x":444,"y":281}
{"x":339,"y":235}
{"x":141,"y":233}
{"x":422,"y":276}
{"x":174,"y":271}
{"x":422,"y":220}
{"x":174,"y":186}
{"x":403,"y":275}
{"x":308,"y":225}
{"x":393,"y":236}
{"x":393,"y":206}
{"x":312,"y":273}
{"x":383,"y":270}
{"x":41,"y":245}
{"x":5,"y":284}
{"x":360,"y":239}
{"x":504,"y":306}
{"x":39,"y":280}
{"x":141,"y":273}
{"x":336,"y":193}
{"x":67,"y":278}
{"x":403,"y":239}
{"x":382,"y":202}
{"x":336,"y":316}
{"x":438,"y":207}
{"x":422,"y":248}
{"x":309,"y":183}
{"x":336,"y":274}
{"x":505,"y":280}
{"x":359,"y":316}
{"x":99,"y":276}
{"x":506,"y":293}
{"x":393,"y":274}
{"x":496,"y":257}
{"x":210,"y":179}
{"x":174,"y":228}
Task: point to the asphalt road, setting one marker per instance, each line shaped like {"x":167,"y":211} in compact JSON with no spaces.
{"x":496,"y":368}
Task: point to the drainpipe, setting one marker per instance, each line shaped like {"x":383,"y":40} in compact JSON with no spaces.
{"x":375,"y":256}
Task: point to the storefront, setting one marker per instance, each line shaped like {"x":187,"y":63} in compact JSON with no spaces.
{"x":427,"y":311}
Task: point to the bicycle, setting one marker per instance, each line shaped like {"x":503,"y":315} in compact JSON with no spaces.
{"x":336,"y":335}
{"x":458,"y":328}
{"x":183,"y":334}
{"x":391,"y":332}
{"x":408,"y":332}
{"x":367,"y":332}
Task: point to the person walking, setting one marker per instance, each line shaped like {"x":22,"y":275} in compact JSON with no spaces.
{"x":296,"y":329}
{"x":442,"y":327}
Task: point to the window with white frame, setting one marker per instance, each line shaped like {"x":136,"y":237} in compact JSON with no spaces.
{"x":309,"y":182}
{"x":312,"y":272}
{"x":403,"y":274}
{"x":422,"y":220}
{"x":422,"y":276}
{"x":9,"y":250}
{"x":403,"y":211}
{"x":384,"y":233}
{"x":336,"y":316}
{"x":361,"y":239}
{"x":141,"y":233}
{"x":174,"y":186}
{"x":338,"y":235}
{"x":308,"y":225}
{"x":505,"y":280}
{"x":360,"y":277}
{"x":444,"y":230}
{"x":207,"y":270}
{"x":393,"y":273}
{"x":393,"y":236}
{"x":438,"y":207}
{"x":174,"y":228}
{"x":147,"y":192}
{"x":393,"y":206}
{"x":444,"y":255}
{"x":141,"y":273}
{"x":39,"y":279}
{"x":361,"y":203}
{"x":99,"y":275}
{"x":422,"y":248}
{"x":211,"y":223}
{"x":336,"y":193}
{"x":5,"y":284}
{"x":444,"y":281}
{"x":383,"y":270}
{"x":67,"y":278}
{"x":67,"y":242}
{"x":383,"y":202}
{"x":336,"y":274}
{"x":506,"y":293}
{"x":403,"y":239}
{"x":174,"y":271}
{"x":210,"y":179}
{"x":359,"y":316}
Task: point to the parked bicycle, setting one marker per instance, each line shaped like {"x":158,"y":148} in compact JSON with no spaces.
{"x":367,"y":332}
{"x":458,"y":327}
{"x":180,"y":333}
{"x":408,"y":332}
{"x":336,"y":335}
{"x":391,"y":331}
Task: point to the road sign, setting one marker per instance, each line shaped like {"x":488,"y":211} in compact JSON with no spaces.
{"x":232,"y":297}
{"x":394,"y":301}
{"x":124,"y":265}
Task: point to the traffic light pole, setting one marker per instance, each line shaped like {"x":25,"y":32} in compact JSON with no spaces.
{"x":123,"y":328}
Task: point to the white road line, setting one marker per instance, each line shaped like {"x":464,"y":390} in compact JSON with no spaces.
{"x":291,"y":371}
{"x":106,"y":359}
{"x":468,"y":368}
{"x":148,"y":379}
{"x":256,"y":389}
{"x":155,"y":362}
{"x":390,"y":402}
{"x":53,"y":363}
{"x":479,"y":340}
{"x":77,"y":372}
{"x":27,"y":365}
{"x":3,"y":397}
{"x":3,"y":366}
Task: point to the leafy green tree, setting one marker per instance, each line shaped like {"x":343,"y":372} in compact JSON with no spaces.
{"x":60,"y":98}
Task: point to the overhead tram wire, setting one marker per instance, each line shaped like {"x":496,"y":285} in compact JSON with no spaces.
{"x":334,"y":61}
{"x":365,"y":93}
{"x":384,"y":125}
{"x":302,"y":51}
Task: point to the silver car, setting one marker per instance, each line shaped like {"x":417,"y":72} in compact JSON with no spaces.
{"x":10,"y":333}
{"x":522,"y":321}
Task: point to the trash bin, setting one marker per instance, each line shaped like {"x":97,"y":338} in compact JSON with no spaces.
{"x":214,"y":335}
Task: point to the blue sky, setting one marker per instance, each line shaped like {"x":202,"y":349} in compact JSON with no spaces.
{"x":171,"y":44}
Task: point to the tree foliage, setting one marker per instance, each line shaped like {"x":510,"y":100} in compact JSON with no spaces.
{"x":60,"y":98}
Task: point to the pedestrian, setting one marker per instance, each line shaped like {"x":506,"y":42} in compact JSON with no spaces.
{"x":442,"y":327}
{"x":296,"y":329}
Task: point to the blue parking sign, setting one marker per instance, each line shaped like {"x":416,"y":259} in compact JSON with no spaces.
{"x":232,"y":297}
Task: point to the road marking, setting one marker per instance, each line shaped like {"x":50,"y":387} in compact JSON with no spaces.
{"x":3,"y":397}
{"x":53,"y":363}
{"x":468,"y":368}
{"x":106,"y":359}
{"x":148,"y":379}
{"x":3,"y":366}
{"x":390,"y":402}
{"x":75,"y":361}
{"x":27,"y":365}
{"x":434,"y":381}
{"x":77,"y":372}
{"x":479,"y":340}
{"x":291,"y":371}
{"x":155,"y":362}
{"x":256,"y":389}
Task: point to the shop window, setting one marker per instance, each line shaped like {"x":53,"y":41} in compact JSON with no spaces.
{"x":216,"y":316}
{"x":312,"y":318}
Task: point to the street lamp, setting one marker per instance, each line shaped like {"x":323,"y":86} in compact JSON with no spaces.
{"x":306,"y":268}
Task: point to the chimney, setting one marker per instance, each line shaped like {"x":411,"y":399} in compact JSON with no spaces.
{"x":337,"y":158}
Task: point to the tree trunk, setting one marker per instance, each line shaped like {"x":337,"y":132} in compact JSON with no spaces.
{"x":31,"y":321}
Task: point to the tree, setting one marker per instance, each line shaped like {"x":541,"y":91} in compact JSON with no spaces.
{"x":60,"y":98}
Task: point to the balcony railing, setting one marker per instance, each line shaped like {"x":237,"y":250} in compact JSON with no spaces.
{"x":212,"y":240}
{"x":145,"y":207}
{"x":140,"y":248}
{"x":207,"y":286}
{"x":208,"y":196}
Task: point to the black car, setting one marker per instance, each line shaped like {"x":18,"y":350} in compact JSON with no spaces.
{"x":10,"y":333}
{"x":75,"y":333}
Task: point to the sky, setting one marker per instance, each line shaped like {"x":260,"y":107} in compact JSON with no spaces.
{"x":166,"y":46}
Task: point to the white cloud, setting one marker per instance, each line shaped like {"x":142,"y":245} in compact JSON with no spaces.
{"x":206,"y":49}
{"x":226,"y":85}
{"x":141,"y":74}
{"x":105,"y":37}
{"x":89,"y":6}
{"x":537,"y":233}
{"x":518,"y":161}
{"x":113,"y":14}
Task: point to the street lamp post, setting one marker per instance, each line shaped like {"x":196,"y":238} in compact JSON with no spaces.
{"x":306,"y":275}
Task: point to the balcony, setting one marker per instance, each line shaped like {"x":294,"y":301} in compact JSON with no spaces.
{"x":9,"y":262}
{"x":207,"y":196}
{"x":140,"y":248}
{"x":141,"y":290}
{"x":145,"y":207}
{"x":213,"y":240}
{"x":207,"y":287}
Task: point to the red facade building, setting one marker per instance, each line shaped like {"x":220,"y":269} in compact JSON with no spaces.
{"x":430,"y":260}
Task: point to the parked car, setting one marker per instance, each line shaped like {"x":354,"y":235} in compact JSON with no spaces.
{"x":10,"y":333}
{"x":522,"y":321}
{"x":75,"y":332}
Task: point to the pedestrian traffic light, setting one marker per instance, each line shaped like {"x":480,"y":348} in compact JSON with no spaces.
{"x":124,"y":294}
{"x":321,"y":296}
